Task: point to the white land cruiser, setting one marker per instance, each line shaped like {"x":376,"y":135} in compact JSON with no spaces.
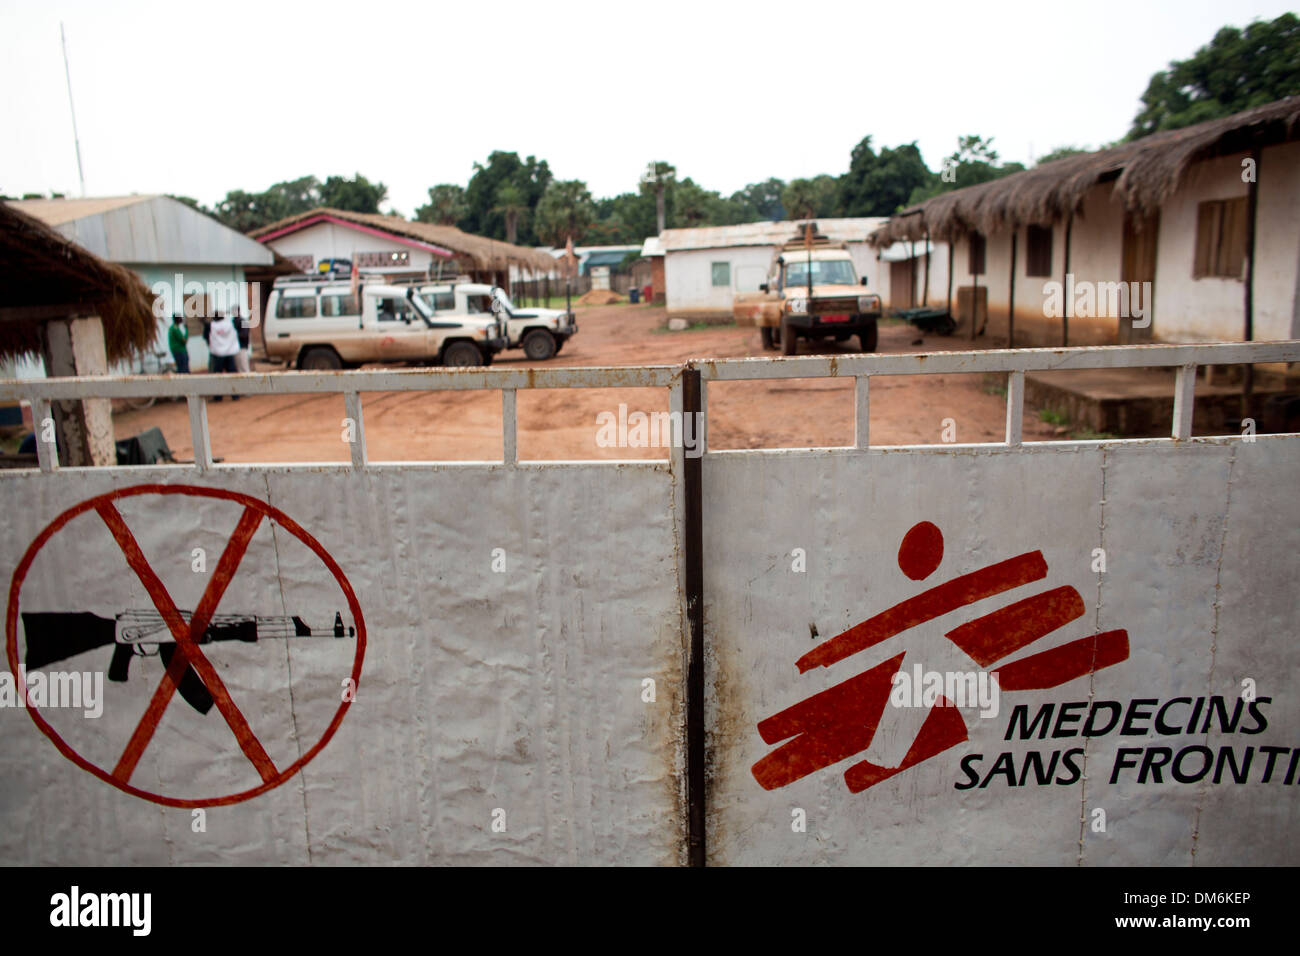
{"x":321,"y":323}
{"x":539,"y":332}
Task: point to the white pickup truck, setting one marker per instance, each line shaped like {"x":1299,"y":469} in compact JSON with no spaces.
{"x":541,"y":333}
{"x":327,"y":324}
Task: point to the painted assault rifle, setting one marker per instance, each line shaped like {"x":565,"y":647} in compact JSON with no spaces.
{"x":54,"y":636}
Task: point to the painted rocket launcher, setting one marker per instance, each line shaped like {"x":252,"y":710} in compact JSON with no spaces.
{"x":54,"y":636}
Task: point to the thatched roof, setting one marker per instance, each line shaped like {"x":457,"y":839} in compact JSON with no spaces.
{"x":480,"y":252}
{"x":44,"y":276}
{"x":1145,"y":172}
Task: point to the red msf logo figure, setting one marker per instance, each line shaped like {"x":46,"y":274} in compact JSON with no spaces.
{"x":841,"y":721}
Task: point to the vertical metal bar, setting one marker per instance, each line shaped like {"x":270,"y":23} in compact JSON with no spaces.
{"x":862,"y":412}
{"x":1015,"y":406}
{"x":199,"y":435}
{"x":47,"y":452}
{"x":1184,"y":401}
{"x":509,"y":427}
{"x":702,"y":423}
{"x":352,"y":407}
{"x":692,"y":472}
{"x":1252,"y":206}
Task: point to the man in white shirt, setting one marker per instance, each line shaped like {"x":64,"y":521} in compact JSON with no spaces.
{"x":223,"y":344}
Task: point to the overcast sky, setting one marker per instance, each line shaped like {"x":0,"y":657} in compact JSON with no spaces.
{"x":201,"y":99}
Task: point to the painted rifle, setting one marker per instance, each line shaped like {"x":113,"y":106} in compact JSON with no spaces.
{"x":54,"y":636}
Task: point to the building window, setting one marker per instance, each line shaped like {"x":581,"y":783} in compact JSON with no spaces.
{"x":296,"y":307}
{"x":383,"y":260}
{"x":722,"y":274}
{"x":1038,"y":251}
{"x":1220,"y":239}
{"x":976,"y":254}
{"x":336,"y":305}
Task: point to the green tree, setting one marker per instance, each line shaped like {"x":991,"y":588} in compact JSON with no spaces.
{"x":759,"y":201}
{"x":486,"y":216}
{"x":1235,"y":71}
{"x":446,"y":206}
{"x":1061,"y":152}
{"x":817,"y":197}
{"x":974,"y":161}
{"x":512,"y":204}
{"x":565,"y":212}
{"x":192,"y":203}
{"x":879,"y":184}
{"x":353,"y":195}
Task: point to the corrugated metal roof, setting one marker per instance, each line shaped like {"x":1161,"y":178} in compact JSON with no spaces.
{"x":147,"y":229}
{"x":653,"y":246}
{"x":55,"y":212}
{"x":765,"y":233}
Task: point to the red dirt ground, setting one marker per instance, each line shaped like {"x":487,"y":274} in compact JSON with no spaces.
{"x":562,"y":423}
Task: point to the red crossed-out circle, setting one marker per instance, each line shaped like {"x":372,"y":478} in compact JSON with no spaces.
{"x":189,"y":652}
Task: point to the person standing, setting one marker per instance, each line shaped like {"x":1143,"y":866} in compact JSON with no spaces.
{"x":242,"y":360}
{"x":223,"y":343}
{"x":177,"y":337}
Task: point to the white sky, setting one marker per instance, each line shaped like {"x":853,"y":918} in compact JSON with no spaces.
{"x":201,"y":99}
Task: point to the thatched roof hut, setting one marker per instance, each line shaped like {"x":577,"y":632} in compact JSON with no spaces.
{"x":45,"y":276}
{"x":480,"y":253}
{"x":1145,"y":173}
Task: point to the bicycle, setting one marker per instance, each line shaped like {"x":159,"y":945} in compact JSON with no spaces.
{"x":155,"y":363}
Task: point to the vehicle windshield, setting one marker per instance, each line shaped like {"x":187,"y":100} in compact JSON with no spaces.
{"x":421,"y":307}
{"x":832,"y":272}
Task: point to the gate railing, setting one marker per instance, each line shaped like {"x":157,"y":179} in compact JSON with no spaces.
{"x":1014,"y":363}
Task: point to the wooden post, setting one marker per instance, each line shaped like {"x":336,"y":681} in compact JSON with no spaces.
{"x":1252,"y":207}
{"x":975,"y":291}
{"x":1065,"y":285}
{"x":950,"y":256}
{"x":1011,"y":294}
{"x":83,"y":429}
{"x":925,"y":287}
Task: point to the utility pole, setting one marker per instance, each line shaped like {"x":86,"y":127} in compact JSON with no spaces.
{"x":75,"y":138}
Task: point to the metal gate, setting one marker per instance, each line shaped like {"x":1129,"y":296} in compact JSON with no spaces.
{"x":760,"y":656}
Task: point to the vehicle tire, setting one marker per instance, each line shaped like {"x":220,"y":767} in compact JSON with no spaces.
{"x":539,"y":345}
{"x":789,"y":339}
{"x":559,"y":344}
{"x":841,"y":336}
{"x":462,"y":355}
{"x":768,"y":335}
{"x":869,"y":337}
{"x":320,"y":359}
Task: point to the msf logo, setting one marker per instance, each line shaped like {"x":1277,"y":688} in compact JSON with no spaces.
{"x":841,"y":722}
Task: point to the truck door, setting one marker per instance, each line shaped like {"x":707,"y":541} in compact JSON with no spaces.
{"x":400,"y":333}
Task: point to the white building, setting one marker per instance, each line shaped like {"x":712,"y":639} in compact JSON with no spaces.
{"x":704,"y":268}
{"x":158,"y":238}
{"x":399,"y":247}
{"x":1050,"y":248}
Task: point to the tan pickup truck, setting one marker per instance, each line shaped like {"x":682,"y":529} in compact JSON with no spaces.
{"x":812,"y":291}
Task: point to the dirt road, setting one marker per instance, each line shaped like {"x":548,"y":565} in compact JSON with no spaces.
{"x":562,"y":423}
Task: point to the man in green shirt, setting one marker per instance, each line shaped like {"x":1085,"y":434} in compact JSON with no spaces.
{"x":177,"y":336}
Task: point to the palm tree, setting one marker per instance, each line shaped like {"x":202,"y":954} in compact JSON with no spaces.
{"x":513,"y":205}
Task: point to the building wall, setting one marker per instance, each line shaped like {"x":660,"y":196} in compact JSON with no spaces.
{"x":1186,"y":309}
{"x":328,"y":240}
{"x":167,"y":273}
{"x":880,"y":279}
{"x":689,"y":275}
{"x":689,"y":278}
{"x":1213,"y":308}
